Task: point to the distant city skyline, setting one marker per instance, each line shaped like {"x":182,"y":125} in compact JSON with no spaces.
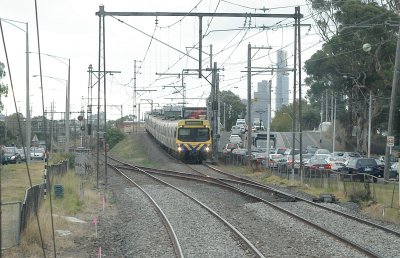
{"x":282,"y":81}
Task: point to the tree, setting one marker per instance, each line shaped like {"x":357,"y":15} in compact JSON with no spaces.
{"x":231,"y":106}
{"x":282,"y":122}
{"x":114,"y":136}
{"x":344,"y":69}
{"x":3,"y":87}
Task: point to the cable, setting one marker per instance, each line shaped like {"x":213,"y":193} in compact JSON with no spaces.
{"x":44,"y":123}
{"x":20,"y":130}
{"x":194,"y":8}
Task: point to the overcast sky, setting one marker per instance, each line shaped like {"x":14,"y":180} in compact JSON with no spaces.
{"x":70,"y":29}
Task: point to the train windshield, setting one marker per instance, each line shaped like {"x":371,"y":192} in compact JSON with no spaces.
{"x":193,"y":134}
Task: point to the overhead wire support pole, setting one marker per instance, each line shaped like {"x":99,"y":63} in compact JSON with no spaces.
{"x":297,"y":8}
{"x":392,"y":108}
{"x":249,"y":103}
{"x":294,"y":99}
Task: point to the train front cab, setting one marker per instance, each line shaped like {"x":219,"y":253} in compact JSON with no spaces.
{"x":193,"y":140}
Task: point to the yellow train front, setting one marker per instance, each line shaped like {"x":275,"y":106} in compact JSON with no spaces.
{"x":193,"y":140}
{"x":187,"y":139}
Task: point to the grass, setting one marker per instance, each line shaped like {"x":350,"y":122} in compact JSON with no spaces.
{"x":15,"y":181}
{"x":132,"y":149}
{"x":382,"y":207}
{"x":77,"y":200}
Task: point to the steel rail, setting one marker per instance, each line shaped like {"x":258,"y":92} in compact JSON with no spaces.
{"x":366,"y":222}
{"x":225,"y":222}
{"x":356,"y":246}
{"x":168,"y":226}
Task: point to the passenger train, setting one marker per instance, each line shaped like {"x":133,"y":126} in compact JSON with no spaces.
{"x":187,"y":138}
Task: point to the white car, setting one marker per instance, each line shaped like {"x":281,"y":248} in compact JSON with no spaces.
{"x":37,"y":153}
{"x":235,"y":139}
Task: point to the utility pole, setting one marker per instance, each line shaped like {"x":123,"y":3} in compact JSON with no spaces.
{"x":214,"y":112}
{"x":249,"y":142}
{"x":67,"y":127}
{"x":393,"y":98}
{"x":294,"y":101}
{"x":134,"y":96}
{"x":269,"y":122}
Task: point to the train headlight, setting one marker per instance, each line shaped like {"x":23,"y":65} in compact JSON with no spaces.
{"x":207,"y":149}
{"x":179,"y":148}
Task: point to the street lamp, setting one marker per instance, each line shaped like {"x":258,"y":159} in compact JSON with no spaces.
{"x":66,"y":108}
{"x":67,"y":100}
{"x":28,"y":115}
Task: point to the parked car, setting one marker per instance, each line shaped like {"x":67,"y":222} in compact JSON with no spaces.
{"x":229,"y":147}
{"x":235,"y":139}
{"x":336,"y":164}
{"x":306,"y":158}
{"x":37,"y":153}
{"x":22,"y":153}
{"x":392,"y":159}
{"x":235,"y":130}
{"x":281,"y":150}
{"x":11,"y":155}
{"x":322,"y":151}
{"x":311,"y":149}
{"x":393,"y":171}
{"x":317,"y":164}
{"x":276,"y":160}
{"x":366,"y":166}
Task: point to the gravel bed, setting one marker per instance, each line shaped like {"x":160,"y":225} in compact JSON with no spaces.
{"x":272,"y":232}
{"x":376,"y":240}
{"x":132,"y":228}
{"x":199,"y":233}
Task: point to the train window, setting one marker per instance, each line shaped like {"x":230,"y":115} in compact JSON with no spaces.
{"x":193,"y":134}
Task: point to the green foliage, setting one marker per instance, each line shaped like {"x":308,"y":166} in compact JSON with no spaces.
{"x":3,"y":87}
{"x":343,"y":68}
{"x":114,"y":136}
{"x":232,"y":107}
{"x":58,"y":157}
{"x":282,"y":122}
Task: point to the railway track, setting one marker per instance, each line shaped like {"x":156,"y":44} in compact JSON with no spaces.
{"x":250,"y":251}
{"x":269,"y":196}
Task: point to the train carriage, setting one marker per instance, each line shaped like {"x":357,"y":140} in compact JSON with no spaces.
{"x":187,"y":139}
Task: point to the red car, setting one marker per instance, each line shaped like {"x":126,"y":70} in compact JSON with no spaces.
{"x":229,"y":147}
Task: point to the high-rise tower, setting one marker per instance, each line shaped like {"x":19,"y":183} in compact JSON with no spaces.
{"x":282,"y":81}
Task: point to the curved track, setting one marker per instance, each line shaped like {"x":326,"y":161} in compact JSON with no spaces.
{"x":243,"y":185}
{"x":177,"y":247}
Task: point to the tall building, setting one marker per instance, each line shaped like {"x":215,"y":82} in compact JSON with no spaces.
{"x":260,"y":104}
{"x":282,"y":81}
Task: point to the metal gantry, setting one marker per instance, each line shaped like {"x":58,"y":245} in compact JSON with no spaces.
{"x":296,"y":16}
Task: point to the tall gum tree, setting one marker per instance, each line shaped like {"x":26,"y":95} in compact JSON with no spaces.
{"x":344,"y":69}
